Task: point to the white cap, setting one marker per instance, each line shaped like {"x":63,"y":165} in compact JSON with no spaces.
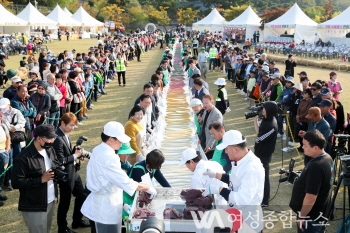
{"x":275,"y":75}
{"x":298,"y":86}
{"x":231,"y":137}
{"x":16,"y":79}
{"x":290,"y":79}
{"x":265,"y":68}
{"x":4,"y":102}
{"x":116,"y":130}
{"x":266,"y":63}
{"x":186,"y":155}
{"x":195,"y":102}
{"x":220,"y":82}
{"x":238,"y":57}
{"x":246,"y":59}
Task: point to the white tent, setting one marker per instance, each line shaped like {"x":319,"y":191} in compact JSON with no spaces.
{"x":34,"y":17}
{"x":294,"y":21}
{"x":10,"y":23}
{"x":212,"y":22}
{"x":87,"y":20}
{"x":67,"y":11}
{"x":59,"y":16}
{"x":336,"y":27}
{"x":248,"y":20}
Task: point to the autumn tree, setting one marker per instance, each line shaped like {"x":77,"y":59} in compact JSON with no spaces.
{"x":159,"y":16}
{"x":270,"y":15}
{"x":234,"y":11}
{"x":186,"y":16}
{"x":138,"y":15}
{"x":112,"y":12}
{"x":328,"y":11}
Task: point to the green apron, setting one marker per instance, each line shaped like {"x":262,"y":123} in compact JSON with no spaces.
{"x":217,"y":156}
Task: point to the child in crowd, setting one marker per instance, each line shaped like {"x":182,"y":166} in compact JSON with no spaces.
{"x":251,"y":83}
{"x":3,"y":77}
{"x":23,"y":62}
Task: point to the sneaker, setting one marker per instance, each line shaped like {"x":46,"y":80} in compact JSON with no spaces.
{"x":3,"y":197}
{"x":75,"y":127}
{"x":86,"y":116}
{"x":9,"y":188}
{"x":92,"y":104}
{"x":248,"y":107}
{"x":246,"y":98}
{"x":264,"y":205}
{"x":279,"y":135}
{"x":284,"y":137}
{"x":80,"y":123}
{"x":238,"y":90}
{"x":294,"y":144}
{"x":243,"y":93}
{"x":286,"y":149}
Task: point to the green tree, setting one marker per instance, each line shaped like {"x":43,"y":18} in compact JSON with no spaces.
{"x":234,"y":11}
{"x":186,"y":16}
{"x":138,"y":15}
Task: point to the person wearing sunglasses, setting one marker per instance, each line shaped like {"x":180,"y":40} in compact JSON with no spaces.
{"x":34,"y":76}
{"x":316,"y":94}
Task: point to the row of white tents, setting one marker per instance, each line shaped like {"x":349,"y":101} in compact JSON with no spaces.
{"x":31,"y":17}
{"x":294,"y":21}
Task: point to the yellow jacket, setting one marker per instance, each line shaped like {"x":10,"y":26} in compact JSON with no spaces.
{"x":137,"y":134}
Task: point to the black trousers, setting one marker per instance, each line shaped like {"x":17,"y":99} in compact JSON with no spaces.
{"x":65,"y":197}
{"x":138,"y":54}
{"x":266,"y":164}
{"x":121,"y":73}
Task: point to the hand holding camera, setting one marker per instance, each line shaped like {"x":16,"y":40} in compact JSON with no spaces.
{"x":47,"y":176}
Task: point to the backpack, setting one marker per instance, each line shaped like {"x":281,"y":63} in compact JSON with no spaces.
{"x":340,"y":228}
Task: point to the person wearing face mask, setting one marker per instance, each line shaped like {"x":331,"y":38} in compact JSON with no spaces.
{"x":68,"y":157}
{"x":34,"y":177}
{"x":14,"y":121}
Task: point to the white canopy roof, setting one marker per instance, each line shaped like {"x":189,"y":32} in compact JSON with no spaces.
{"x":248,"y":17}
{"x":34,"y":17}
{"x":59,"y":16}
{"x":294,"y":16}
{"x":87,"y":20}
{"x":338,"y":22}
{"x":9,"y":19}
{"x":214,"y":18}
{"x":67,"y":11}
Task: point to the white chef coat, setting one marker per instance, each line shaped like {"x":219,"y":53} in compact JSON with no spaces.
{"x":106,"y":181}
{"x":247,"y":180}
{"x":200,"y":181}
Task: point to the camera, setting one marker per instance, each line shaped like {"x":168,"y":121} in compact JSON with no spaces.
{"x":255,"y":111}
{"x":291,"y":175}
{"x":81,"y":139}
{"x":60,"y":175}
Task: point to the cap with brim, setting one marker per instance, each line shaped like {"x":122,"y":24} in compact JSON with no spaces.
{"x":325,"y":103}
{"x":125,"y":149}
{"x":80,"y":61}
{"x":116,"y":130}
{"x":275,"y":75}
{"x":187,"y":155}
{"x":264,"y":68}
{"x":302,"y":73}
{"x":325,"y":91}
{"x":290,"y":79}
{"x":10,"y":73}
{"x":87,"y":67}
{"x":16,"y":79}
{"x":78,"y":70}
{"x":314,"y":111}
{"x":231,"y":137}
{"x":266,"y":74}
{"x":246,"y":59}
{"x":220,"y":82}
{"x":298,"y":86}
{"x":45,"y":130}
{"x":252,"y":71}
{"x":4,"y":102}
{"x":195,"y":102}
{"x":202,"y":48}
{"x":239,"y":57}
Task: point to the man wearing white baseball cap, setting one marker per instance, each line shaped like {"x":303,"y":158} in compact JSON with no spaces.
{"x":194,"y":162}
{"x":221,"y":102}
{"x":197,"y":108}
{"x":107,"y":181}
{"x":246,"y":181}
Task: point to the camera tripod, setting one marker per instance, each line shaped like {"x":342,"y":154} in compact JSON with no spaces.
{"x":345,"y":178}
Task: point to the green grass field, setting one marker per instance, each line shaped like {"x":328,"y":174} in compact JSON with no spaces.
{"x":117,"y":104}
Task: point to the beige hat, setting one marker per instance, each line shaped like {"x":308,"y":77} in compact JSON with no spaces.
{"x":79,"y":70}
{"x":16,"y":79}
{"x":298,"y":86}
{"x":195,"y":102}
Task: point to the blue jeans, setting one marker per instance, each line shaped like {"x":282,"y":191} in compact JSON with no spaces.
{"x":280,"y":124}
{"x":55,"y":115}
{"x":310,"y":228}
{"x":212,"y":61}
{"x":15,"y":150}
{"x":100,"y":87}
{"x":4,"y":159}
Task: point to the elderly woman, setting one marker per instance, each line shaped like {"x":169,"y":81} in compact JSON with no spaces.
{"x":302,"y":111}
{"x":33,"y":74}
{"x":42,"y":103}
{"x":135,"y":130}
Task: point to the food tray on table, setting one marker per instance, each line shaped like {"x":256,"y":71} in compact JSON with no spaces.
{"x":166,"y":198}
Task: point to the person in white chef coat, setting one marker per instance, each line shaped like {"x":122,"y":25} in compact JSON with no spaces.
{"x":106,"y":180}
{"x":194,"y":162}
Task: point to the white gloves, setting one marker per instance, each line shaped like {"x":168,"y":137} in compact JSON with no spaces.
{"x":127,"y":208}
{"x":210,"y":173}
{"x":152,"y":191}
{"x":211,"y":189}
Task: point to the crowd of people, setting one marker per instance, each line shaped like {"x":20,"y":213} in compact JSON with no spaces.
{"x":61,"y":91}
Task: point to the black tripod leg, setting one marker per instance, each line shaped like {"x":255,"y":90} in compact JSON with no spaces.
{"x":330,"y":213}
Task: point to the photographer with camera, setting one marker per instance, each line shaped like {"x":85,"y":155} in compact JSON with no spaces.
{"x":67,"y":156}
{"x":311,"y":191}
{"x":265,"y":142}
{"x":34,"y":177}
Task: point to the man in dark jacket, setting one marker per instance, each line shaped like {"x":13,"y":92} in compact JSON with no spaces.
{"x":265,"y":142}
{"x":42,"y":103}
{"x":10,"y":92}
{"x":67,"y":156}
{"x":26,"y":107}
{"x":34,"y":177}
{"x":316,"y":94}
